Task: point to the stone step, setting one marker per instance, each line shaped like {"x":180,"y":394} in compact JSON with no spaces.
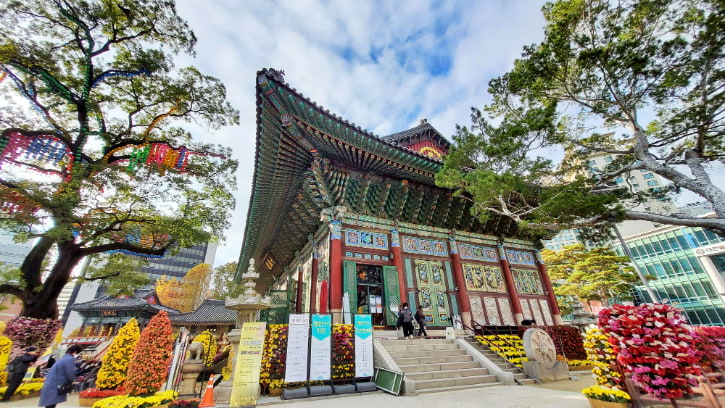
{"x":454,"y":382}
{"x":419,"y":347}
{"x":526,"y":381}
{"x":419,"y":368}
{"x":433,"y":375}
{"x":426,"y":353}
{"x":416,"y":341}
{"x":433,"y":359}
{"x":457,"y":388}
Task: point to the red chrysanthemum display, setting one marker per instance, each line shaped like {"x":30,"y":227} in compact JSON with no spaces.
{"x":653,"y":343}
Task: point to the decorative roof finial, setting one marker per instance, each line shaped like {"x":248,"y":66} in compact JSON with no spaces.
{"x":423,"y":121}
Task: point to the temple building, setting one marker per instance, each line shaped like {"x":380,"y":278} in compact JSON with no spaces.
{"x":340,"y":219}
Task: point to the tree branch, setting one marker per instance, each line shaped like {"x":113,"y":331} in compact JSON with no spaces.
{"x":12,"y":290}
{"x":711,"y":223}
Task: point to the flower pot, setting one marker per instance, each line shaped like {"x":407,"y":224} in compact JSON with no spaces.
{"x":275,"y":392}
{"x":595,"y":403}
{"x":87,"y":402}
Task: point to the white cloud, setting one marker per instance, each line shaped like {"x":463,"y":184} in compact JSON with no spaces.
{"x":383,"y":65}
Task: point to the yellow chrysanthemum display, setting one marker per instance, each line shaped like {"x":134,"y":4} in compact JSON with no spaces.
{"x":209,"y":341}
{"x":113,"y":370}
{"x":25,"y":388}
{"x":601,"y":355}
{"x":507,"y":346}
{"x":606,"y":394}
{"x":5,"y":345}
{"x":125,"y":401}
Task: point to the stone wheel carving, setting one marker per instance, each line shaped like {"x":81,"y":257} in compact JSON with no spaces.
{"x":539,"y":346}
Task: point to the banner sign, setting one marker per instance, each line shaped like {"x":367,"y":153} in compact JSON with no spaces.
{"x":320,"y":350}
{"x":245,"y":384}
{"x":363,"y":345}
{"x":297,"y":346}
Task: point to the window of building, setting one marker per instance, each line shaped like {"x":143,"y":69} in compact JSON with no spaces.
{"x":652,"y":183}
{"x":684,"y":244}
{"x":648,"y":175}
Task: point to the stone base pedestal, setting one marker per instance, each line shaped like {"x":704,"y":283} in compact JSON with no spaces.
{"x":189,"y":373}
{"x":559,"y":372}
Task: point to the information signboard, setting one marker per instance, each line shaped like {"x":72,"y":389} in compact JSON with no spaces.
{"x":245,"y":386}
{"x":320,"y":347}
{"x":363,"y":345}
{"x":298,"y":338}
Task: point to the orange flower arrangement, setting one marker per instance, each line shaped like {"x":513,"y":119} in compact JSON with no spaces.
{"x":151,"y":358}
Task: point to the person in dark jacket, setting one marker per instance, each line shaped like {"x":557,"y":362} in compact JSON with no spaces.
{"x":20,"y":365}
{"x":63,"y":372}
{"x":405,"y":319}
{"x":420,"y":318}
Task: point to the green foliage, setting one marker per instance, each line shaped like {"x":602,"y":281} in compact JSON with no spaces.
{"x":119,"y":273}
{"x":587,"y":89}
{"x":99,"y":77}
{"x":223,"y":285}
{"x":598,"y":273}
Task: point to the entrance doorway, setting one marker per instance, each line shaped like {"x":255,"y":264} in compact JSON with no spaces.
{"x":372,"y":289}
{"x":370,"y":293}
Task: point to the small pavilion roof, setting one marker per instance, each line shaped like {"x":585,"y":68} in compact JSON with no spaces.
{"x":211,"y":311}
{"x":136,"y":302}
{"x":423,"y":129}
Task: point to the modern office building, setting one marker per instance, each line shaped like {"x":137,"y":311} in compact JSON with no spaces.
{"x":689,"y":264}
{"x":178,"y":264}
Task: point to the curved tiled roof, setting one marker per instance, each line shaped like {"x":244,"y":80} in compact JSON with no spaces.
{"x":422,"y":128}
{"x":308,"y":159}
{"x":136,"y":302}
{"x":209,"y":312}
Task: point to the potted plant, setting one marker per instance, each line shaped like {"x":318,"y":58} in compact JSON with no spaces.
{"x":185,"y":403}
{"x":86,"y":398}
{"x":603,"y":397}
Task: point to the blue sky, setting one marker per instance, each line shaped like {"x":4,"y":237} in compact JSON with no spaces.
{"x":383,"y":65}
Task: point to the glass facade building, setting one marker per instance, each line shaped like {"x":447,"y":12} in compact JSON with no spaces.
{"x":178,"y":264}
{"x":674,"y":256}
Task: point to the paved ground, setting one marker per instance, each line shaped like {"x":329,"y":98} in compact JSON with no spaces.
{"x":564,"y":394}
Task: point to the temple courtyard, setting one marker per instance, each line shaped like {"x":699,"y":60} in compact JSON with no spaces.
{"x":562,"y":394}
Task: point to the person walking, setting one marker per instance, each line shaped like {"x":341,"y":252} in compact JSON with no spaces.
{"x":60,"y":378}
{"x":17,"y":369}
{"x":405,"y":319}
{"x":420,"y":318}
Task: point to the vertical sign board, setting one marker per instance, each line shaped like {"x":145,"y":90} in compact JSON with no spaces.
{"x":245,"y":384}
{"x":297,"y":341}
{"x":320,"y":350}
{"x":363,"y":345}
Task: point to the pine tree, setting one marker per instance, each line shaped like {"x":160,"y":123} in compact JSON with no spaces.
{"x":115,"y":363}
{"x":150,"y":362}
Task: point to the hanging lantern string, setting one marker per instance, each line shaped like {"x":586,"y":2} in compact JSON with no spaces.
{"x":16,"y":147}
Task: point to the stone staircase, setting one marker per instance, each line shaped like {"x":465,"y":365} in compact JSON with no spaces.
{"x":519,"y":376}
{"x":437,"y":365}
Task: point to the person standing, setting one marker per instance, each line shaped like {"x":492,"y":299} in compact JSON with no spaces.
{"x":420,"y":318}
{"x":405,"y":319}
{"x":17,"y":369}
{"x":63,"y":372}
